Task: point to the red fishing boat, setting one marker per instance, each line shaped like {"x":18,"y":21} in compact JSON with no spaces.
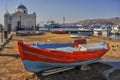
{"x":40,"y":57}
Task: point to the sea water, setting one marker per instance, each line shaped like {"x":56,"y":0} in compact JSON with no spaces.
{"x":112,"y":36}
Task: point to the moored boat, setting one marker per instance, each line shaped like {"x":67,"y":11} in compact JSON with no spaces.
{"x":78,"y":36}
{"x":59,"y":31}
{"x":40,"y":57}
{"x":82,"y":34}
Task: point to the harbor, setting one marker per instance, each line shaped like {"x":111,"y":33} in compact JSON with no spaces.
{"x":85,"y":33}
{"x":59,"y":40}
{"x":57,"y":36}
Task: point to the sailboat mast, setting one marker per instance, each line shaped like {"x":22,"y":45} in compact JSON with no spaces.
{"x":63,"y":22}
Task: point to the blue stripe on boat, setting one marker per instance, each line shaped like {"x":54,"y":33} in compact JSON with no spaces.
{"x":41,"y":66}
{"x":53,"y":45}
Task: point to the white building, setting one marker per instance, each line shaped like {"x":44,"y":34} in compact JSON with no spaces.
{"x":19,"y":19}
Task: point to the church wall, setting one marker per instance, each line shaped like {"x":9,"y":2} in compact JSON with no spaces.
{"x":26,"y":21}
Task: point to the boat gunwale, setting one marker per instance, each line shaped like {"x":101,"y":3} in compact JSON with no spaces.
{"x":49,"y":50}
{"x":66,"y":57}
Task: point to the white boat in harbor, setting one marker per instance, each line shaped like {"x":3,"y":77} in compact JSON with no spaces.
{"x":82,"y":34}
{"x":78,"y":36}
{"x":102,"y":30}
{"x":116,"y":30}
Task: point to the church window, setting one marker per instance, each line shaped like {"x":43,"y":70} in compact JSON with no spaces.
{"x":24,"y":11}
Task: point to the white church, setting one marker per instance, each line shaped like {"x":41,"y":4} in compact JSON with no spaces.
{"x":20,"y":19}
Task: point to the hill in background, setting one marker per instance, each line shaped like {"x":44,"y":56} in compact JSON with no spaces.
{"x":110,"y":21}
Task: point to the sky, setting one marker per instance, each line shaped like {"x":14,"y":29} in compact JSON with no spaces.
{"x":72,"y":10}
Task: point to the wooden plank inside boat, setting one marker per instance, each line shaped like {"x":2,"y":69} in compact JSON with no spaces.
{"x":91,"y":47}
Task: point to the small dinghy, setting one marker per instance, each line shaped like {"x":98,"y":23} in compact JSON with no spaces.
{"x":59,"y":31}
{"x":40,"y":57}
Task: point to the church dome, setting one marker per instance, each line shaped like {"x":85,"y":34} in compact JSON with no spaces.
{"x":21,"y":7}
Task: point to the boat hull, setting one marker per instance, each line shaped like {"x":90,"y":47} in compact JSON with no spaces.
{"x":39,"y":59}
{"x":42,"y":66}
